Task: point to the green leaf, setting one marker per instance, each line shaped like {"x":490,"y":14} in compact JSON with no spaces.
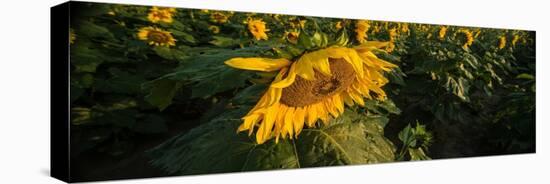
{"x":162,"y":92}
{"x":221,"y":41}
{"x":418,"y":154}
{"x":93,"y":30}
{"x":342,"y":39}
{"x":385,"y":107}
{"x":406,"y":135}
{"x":212,"y":85}
{"x":305,"y":41}
{"x":525,"y":76}
{"x":215,"y":147}
{"x":121,"y":82}
{"x":164,"y":52}
{"x":85,"y":57}
{"x":250,"y":94}
{"x":186,"y":36}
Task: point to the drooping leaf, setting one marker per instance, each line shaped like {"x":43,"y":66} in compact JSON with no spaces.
{"x":162,"y":92}
{"x":216,"y":147}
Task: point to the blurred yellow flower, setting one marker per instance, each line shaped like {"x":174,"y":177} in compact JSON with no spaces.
{"x":502,"y":42}
{"x":156,"y":36}
{"x":515,"y":40}
{"x":392,"y":33}
{"x":468,"y":37}
{"x":257,"y":28}
{"x":295,"y":23}
{"x":442,"y":32}
{"x":214,"y":29}
{"x":361,"y":28}
{"x":218,"y":17}
{"x":338,"y":25}
{"x":158,"y":14}
{"x":72,"y":36}
{"x":404,"y":27}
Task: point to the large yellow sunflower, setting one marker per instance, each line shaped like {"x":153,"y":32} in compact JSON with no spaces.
{"x":156,"y":36}
{"x":315,"y":86}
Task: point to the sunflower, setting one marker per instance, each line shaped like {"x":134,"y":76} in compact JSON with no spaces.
{"x":361,"y":28}
{"x":157,"y":14}
{"x":156,"y":36}
{"x":292,"y":36}
{"x":338,"y":25}
{"x":257,"y":28}
{"x":404,"y":28}
{"x":468,"y":37}
{"x":515,"y":40}
{"x":502,"y":42}
{"x":218,"y":17}
{"x":316,"y":86}
{"x":442,"y":32}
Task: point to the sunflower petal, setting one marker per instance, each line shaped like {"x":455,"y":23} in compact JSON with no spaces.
{"x":311,"y":115}
{"x":305,"y":70}
{"x":258,"y":64}
{"x":288,"y":125}
{"x":337,"y":101}
{"x":299,"y":115}
{"x":287,"y":81}
{"x":264,"y":132}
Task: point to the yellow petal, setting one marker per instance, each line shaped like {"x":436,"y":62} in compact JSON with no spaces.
{"x":287,"y":81}
{"x":280,"y":120}
{"x":258,"y":64}
{"x":322,"y":65}
{"x":329,"y":106}
{"x":371,"y":45}
{"x":299,"y":115}
{"x":311,"y":115}
{"x":289,"y":126}
{"x":355,"y":60}
{"x":357,"y":98}
{"x":264,"y":132}
{"x":337,"y":101}
{"x":305,"y":70}
{"x":347,"y":99}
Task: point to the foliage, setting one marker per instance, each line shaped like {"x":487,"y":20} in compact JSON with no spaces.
{"x":473,"y":95}
{"x":214,"y":147}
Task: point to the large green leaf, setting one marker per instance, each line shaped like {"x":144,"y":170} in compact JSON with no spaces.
{"x":216,"y":147}
{"x":162,"y":92}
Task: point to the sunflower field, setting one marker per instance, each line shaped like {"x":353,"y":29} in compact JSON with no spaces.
{"x":159,"y":91}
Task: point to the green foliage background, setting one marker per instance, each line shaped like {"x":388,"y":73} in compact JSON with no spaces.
{"x":179,"y":106}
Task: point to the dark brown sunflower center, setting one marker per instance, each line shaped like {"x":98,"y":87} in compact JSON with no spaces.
{"x":157,"y":36}
{"x":304,"y":92}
